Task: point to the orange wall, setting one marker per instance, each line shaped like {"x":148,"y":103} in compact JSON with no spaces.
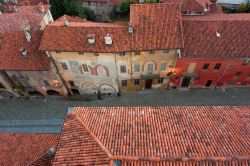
{"x":228,"y":78}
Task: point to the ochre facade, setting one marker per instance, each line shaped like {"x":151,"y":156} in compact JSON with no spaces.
{"x":110,"y":73}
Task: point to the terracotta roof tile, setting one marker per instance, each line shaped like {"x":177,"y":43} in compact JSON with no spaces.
{"x":217,"y":36}
{"x":31,"y":2}
{"x":188,"y":135}
{"x":24,"y":149}
{"x":156,"y":26}
{"x":12,"y":39}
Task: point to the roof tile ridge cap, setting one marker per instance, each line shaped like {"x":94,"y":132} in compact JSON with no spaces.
{"x":94,"y":137}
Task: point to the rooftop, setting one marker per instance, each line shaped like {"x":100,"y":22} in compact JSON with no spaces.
{"x":185,"y":135}
{"x":26,"y":149}
{"x":217,"y":36}
{"x":155,"y":26}
{"x":13,"y":31}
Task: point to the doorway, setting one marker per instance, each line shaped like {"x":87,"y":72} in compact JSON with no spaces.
{"x":185,"y":82}
{"x":209,"y":82}
{"x":148,"y":84}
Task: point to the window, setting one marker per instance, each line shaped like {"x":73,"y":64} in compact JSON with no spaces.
{"x":46,"y":83}
{"x":123,"y":69}
{"x":96,"y":54}
{"x":80,"y":53}
{"x":165,"y":51}
{"x":163,"y":66}
{"x":160,"y":80}
{"x":58,"y":51}
{"x":245,"y":62}
{"x":151,"y":52}
{"x":217,"y":66}
{"x":64,"y":66}
{"x":137,"y":67}
{"x":124,"y":83}
{"x":85,"y":68}
{"x":150,"y":68}
{"x":238,"y":73}
{"x":137,"y":82}
{"x":205,"y":66}
{"x":122,"y":53}
{"x":137,"y":53}
{"x":71,"y":83}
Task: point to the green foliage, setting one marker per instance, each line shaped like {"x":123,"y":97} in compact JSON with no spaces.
{"x":242,"y":8}
{"x":125,"y":7}
{"x":71,"y":8}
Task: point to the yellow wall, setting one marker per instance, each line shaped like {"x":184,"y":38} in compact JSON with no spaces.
{"x":87,"y":82}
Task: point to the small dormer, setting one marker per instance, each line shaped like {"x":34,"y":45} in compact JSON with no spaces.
{"x":91,"y":38}
{"x":24,"y":52}
{"x":27,"y":35}
{"x":108,"y":39}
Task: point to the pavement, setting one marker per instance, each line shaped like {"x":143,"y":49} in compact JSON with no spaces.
{"x":39,"y":115}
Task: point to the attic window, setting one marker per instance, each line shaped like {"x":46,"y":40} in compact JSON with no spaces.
{"x":91,"y":39}
{"x":108,"y":39}
{"x":217,"y":34}
{"x":24,"y":52}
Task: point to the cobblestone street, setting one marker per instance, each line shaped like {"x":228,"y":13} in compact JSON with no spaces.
{"x":46,"y":116}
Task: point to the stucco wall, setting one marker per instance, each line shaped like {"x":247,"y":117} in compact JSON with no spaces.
{"x":100,"y":72}
{"x":225,"y":76}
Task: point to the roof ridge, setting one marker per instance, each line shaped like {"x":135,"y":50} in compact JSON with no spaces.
{"x":180,"y":158}
{"x":94,"y":137}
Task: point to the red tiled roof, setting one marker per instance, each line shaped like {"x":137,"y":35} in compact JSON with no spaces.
{"x":187,"y":135}
{"x":191,"y":5}
{"x":200,"y":40}
{"x":156,"y":26}
{"x":216,"y":8}
{"x":24,"y":149}
{"x":12,"y":39}
{"x":31,"y":2}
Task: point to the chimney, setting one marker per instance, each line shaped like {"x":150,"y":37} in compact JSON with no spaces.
{"x":130,"y":28}
{"x":108,"y":39}
{"x":217,"y":34}
{"x":27,"y":35}
{"x":91,"y":38}
{"x":65,"y":22}
{"x":41,"y":8}
{"x":23,"y":52}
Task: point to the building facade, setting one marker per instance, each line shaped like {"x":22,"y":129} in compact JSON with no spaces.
{"x":115,"y":57}
{"x":24,"y":69}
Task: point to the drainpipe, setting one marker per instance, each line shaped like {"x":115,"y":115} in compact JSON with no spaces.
{"x":58,"y":73}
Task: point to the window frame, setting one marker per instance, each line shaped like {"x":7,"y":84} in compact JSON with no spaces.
{"x":205,"y":66}
{"x":216,"y":66}
{"x":85,"y":68}
{"x":124,"y":83}
{"x":123,"y":69}
{"x":64,"y":66}
{"x":138,"y":67}
{"x":165,"y":66}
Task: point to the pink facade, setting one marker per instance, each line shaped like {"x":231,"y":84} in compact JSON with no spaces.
{"x":191,"y":72}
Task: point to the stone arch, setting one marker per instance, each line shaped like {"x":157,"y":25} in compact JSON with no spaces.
{"x":88,"y":87}
{"x":107,"y":88}
{"x":6,"y":93}
{"x":52,"y":92}
{"x":145,"y":62}
{"x":75,"y":91}
{"x":35,"y":93}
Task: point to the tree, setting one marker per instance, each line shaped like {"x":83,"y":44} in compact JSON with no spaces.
{"x":70,"y":7}
{"x":125,"y":7}
{"x":242,"y":8}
